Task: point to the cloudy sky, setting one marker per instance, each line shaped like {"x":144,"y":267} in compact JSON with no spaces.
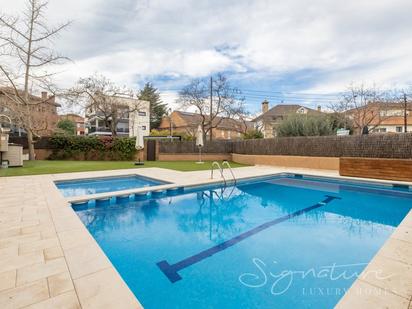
{"x":291,"y":51}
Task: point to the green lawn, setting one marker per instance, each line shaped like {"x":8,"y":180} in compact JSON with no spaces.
{"x":53,"y":167}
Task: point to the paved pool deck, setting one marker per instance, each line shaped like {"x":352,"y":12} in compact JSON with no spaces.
{"x":48,"y":259}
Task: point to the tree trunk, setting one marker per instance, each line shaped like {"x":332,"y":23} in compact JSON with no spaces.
{"x":26,"y":88}
{"x":113,"y":129}
{"x":30,"y":143}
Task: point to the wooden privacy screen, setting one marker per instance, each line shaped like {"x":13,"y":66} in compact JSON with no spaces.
{"x":392,"y":169}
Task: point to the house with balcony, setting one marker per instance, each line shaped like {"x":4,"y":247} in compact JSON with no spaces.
{"x":42,"y":112}
{"x":133,"y":116}
{"x":382,"y":117}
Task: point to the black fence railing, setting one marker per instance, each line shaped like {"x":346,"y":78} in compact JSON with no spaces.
{"x":107,"y":130}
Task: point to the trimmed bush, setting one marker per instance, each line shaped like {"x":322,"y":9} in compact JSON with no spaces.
{"x":253,"y":134}
{"x":92,"y":148}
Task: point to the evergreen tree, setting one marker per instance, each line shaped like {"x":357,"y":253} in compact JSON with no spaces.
{"x":158,"y":109}
{"x":67,"y":126}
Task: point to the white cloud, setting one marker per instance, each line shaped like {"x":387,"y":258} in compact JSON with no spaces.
{"x":333,"y":42}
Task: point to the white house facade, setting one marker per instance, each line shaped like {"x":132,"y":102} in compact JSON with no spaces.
{"x":135,"y":117}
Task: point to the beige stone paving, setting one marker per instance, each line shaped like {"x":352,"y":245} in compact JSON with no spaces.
{"x":48,"y":259}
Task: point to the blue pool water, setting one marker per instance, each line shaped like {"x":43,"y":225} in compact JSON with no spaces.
{"x":282,"y":242}
{"x":104,"y":184}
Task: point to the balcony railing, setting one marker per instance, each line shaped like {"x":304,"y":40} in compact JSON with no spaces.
{"x":107,"y":130}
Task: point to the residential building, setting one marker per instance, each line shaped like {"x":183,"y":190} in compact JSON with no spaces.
{"x":381,"y":117}
{"x":271,"y":118}
{"x":78,"y":120}
{"x":187,"y":123}
{"x":42,"y":111}
{"x":135,"y":117}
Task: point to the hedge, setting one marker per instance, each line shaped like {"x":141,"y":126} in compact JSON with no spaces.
{"x":92,"y":148}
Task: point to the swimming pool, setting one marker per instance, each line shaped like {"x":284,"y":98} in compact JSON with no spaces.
{"x":104,"y":184}
{"x":278,"y":242}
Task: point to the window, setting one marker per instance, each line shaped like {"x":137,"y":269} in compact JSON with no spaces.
{"x":392,"y":112}
{"x":301,"y":110}
{"x":399,"y":129}
{"x":381,"y":130}
{"x":142,"y":113}
{"x":144,"y":128}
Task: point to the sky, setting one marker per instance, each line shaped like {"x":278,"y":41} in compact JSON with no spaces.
{"x":296,"y":51}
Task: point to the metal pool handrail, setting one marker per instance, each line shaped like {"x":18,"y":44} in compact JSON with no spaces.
{"x":220,"y":170}
{"x":230,"y":169}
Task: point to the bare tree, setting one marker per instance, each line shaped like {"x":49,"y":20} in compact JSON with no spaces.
{"x":403,"y":97}
{"x":214,"y":101}
{"x":365,"y":107}
{"x":26,"y":45}
{"x":102,"y":98}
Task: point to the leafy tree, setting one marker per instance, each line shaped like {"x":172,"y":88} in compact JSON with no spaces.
{"x":158,"y":109}
{"x":253,"y":134}
{"x":340,"y":121}
{"x":306,"y":125}
{"x":68,"y":126}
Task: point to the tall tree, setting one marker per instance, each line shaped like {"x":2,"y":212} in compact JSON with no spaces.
{"x":27,"y":51}
{"x":214,"y":101}
{"x":102,"y":98}
{"x":158,"y":109}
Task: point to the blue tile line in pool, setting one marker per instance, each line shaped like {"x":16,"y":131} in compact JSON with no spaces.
{"x":171,"y":270}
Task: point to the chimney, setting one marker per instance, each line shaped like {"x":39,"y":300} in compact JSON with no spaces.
{"x":44,"y":95}
{"x":319,"y":108}
{"x":265,"y":106}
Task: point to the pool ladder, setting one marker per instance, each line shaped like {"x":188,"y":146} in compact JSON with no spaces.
{"x":220,"y":168}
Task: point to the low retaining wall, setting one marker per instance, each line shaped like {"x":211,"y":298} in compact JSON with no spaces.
{"x":326,"y":163}
{"x":390,"y":169}
{"x":194,"y":156}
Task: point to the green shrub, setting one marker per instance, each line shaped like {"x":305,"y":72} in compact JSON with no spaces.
{"x":253,"y":134}
{"x":184,"y":136}
{"x":67,"y":127}
{"x":307,"y":125}
{"x":92,"y":148}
